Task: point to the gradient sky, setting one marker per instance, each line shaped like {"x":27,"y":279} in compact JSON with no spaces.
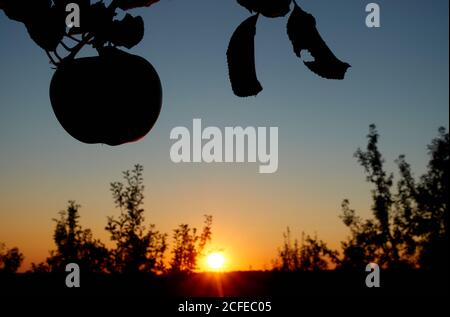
{"x":398,"y":80}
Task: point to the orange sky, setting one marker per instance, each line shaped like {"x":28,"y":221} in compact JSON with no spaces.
{"x":249,"y":216}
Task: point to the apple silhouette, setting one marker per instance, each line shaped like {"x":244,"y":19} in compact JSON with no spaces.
{"x":113,"y":98}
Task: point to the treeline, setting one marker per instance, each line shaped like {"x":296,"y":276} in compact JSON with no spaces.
{"x":408,"y":229}
{"x":137,"y":248}
{"x":409,"y":226}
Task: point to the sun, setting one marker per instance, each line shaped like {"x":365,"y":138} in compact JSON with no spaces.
{"x":215,"y":260}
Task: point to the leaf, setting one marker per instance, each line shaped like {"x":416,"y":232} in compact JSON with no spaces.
{"x":241,"y":60}
{"x":302,"y":32}
{"x":127,"y":32}
{"x":63,"y":3}
{"x":46,"y":29}
{"x":24,"y":10}
{"x":250,"y":5}
{"x":43,"y":22}
{"x":268,"y":8}
{"x":95,"y":19}
{"x":99,"y":23}
{"x":131,"y":4}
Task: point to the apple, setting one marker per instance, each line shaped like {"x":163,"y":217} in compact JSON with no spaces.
{"x":113,"y":98}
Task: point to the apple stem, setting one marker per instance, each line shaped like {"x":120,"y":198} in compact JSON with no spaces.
{"x":52,"y":60}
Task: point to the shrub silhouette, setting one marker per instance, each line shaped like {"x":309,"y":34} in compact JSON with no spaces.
{"x":137,"y":249}
{"x":311,"y":254}
{"x":409,"y":227}
{"x":188,"y":246}
{"x":74,"y":245}
{"x":10,"y":259}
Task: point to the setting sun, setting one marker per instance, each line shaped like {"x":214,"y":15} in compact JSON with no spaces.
{"x":215,"y":260}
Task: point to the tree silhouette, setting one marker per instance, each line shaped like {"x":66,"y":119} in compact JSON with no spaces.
{"x":409,"y":227}
{"x":311,"y":254}
{"x":74,"y":245}
{"x":428,"y":205}
{"x":10,"y":259}
{"x":374,"y":236}
{"x":188,"y":246}
{"x":137,"y":249}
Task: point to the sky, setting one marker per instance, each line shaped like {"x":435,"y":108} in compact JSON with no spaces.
{"x":399,"y":81}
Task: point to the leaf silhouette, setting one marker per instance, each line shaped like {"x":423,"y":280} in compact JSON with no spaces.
{"x":131,"y":4}
{"x":63,"y":3}
{"x":302,"y":32}
{"x":24,"y":10}
{"x":268,"y":8}
{"x":241,"y":59}
{"x":95,"y":19}
{"x":47,"y":28}
{"x":99,"y":22}
{"x":127,"y":32}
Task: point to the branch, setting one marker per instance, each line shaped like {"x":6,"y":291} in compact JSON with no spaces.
{"x":73,"y":38}
{"x":65,"y":46}
{"x":52,"y":60}
{"x":86,"y":39}
{"x":77,"y":48}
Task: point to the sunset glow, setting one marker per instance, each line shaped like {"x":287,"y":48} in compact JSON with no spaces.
{"x":320,"y":124}
{"x":216,"y":261}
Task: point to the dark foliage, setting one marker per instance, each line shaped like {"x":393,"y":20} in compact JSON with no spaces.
{"x":45,"y":21}
{"x":409,"y":227}
{"x":302,"y":32}
{"x":137,"y":249}
{"x":74,"y":245}
{"x":241,"y":60}
{"x":304,"y":35}
{"x":268,"y":8}
{"x":10,"y":259}
{"x":188,"y":246}
{"x":311,"y":254}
